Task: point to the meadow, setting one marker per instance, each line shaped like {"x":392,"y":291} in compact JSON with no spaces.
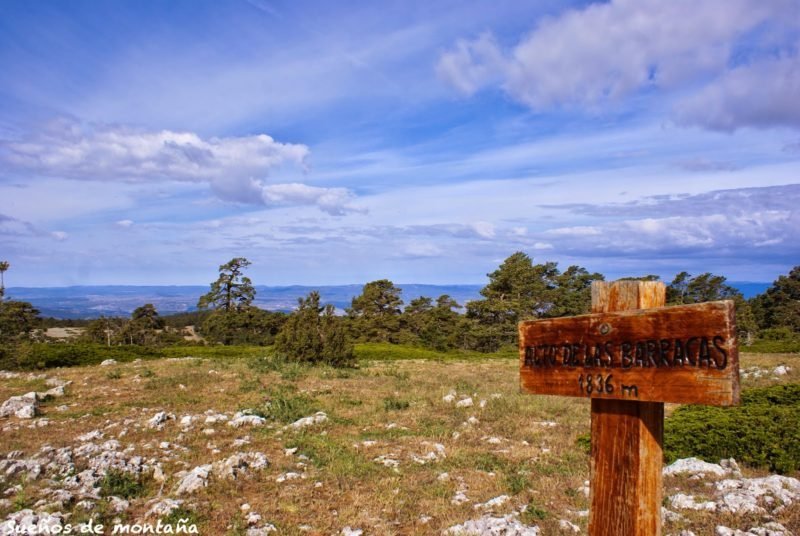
{"x":415,"y":445}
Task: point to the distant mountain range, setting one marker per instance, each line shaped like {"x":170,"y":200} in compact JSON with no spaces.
{"x":94,"y":301}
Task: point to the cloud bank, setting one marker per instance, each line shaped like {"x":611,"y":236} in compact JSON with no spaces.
{"x":589,"y":57}
{"x":236,"y":168}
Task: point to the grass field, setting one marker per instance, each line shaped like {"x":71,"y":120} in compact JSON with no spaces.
{"x":393,"y":456}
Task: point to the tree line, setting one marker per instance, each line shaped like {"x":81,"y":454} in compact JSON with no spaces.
{"x":518,"y":289}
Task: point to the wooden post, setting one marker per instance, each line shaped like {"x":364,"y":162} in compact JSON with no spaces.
{"x":629,"y":356}
{"x":627,"y":437}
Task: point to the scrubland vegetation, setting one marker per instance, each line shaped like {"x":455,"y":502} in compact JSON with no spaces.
{"x":411,"y":446}
{"x":411,"y":420}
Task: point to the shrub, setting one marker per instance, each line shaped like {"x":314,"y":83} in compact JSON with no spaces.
{"x":758,"y":433}
{"x":394,"y":403}
{"x":313,"y":334}
{"x":286,"y":407}
{"x":121,"y":484}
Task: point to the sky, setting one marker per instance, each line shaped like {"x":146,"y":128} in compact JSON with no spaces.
{"x":420,"y":141}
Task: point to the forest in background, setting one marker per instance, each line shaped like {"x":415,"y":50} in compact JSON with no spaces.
{"x":518,"y":289}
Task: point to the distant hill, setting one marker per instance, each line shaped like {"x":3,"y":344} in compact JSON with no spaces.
{"x":94,"y":301}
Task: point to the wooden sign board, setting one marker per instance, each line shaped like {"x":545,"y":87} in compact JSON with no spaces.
{"x":685,"y":354}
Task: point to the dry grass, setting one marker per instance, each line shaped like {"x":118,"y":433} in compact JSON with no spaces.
{"x":389,"y":409}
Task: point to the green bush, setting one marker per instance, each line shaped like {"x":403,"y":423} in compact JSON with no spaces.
{"x":314,"y":334}
{"x":762,"y":432}
{"x":395,"y":404}
{"x":45,"y":355}
{"x":121,"y":484}
{"x":286,"y":406}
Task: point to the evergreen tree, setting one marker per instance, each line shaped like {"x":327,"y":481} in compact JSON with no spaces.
{"x":779,"y":306}
{"x":313,"y":334}
{"x":232,"y":290}
{"x":433,"y":326}
{"x":17,"y":320}
{"x":104,"y":330}
{"x":234,"y":319}
{"x":143,"y":327}
{"x":375,"y":313}
{"x":520,"y":290}
{"x":685,"y":289}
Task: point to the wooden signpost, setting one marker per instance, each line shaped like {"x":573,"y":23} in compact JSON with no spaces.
{"x":630,"y":356}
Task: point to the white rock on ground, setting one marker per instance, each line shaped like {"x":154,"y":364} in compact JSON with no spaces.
{"x":781,"y":370}
{"x":187,"y":420}
{"x":164,"y":507}
{"x":23,"y":407}
{"x":743,"y":495}
{"x":694,"y":466}
{"x":681,"y":501}
{"x":767,"y":530}
{"x":459,"y":498}
{"x":493,"y":503}
{"x":568,"y":526}
{"x":55,"y":392}
{"x":108,"y":363}
{"x":29,"y":522}
{"x":318,"y":418}
{"x":465,"y":403}
{"x":506,"y":526}
{"x":261,"y":531}
{"x":158,"y":420}
{"x":247,"y":420}
{"x":436,"y":452}
{"x":239,"y":465}
{"x":195,"y":480}
{"x":284,"y":477}
{"x":347,"y":531}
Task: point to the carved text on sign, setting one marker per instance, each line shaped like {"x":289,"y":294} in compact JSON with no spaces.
{"x":667,"y":353}
{"x":685,"y":354}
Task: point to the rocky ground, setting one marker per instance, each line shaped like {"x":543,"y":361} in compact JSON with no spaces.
{"x":392,"y":448}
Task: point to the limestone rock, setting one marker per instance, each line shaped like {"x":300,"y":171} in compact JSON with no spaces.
{"x":164,"y":507}
{"x":507,"y":525}
{"x":318,"y":418}
{"x":23,"y":407}
{"x":158,"y":420}
{"x":247,"y":420}
{"x":694,"y":466}
{"x":195,"y":480}
{"x":240,"y":464}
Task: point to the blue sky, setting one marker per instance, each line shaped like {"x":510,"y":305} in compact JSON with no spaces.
{"x":341,"y":142}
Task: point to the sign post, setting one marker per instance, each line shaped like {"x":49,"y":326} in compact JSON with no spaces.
{"x":630,"y":356}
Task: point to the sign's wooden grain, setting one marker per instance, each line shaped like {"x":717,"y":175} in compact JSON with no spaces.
{"x":629,"y":357}
{"x":685,"y":354}
{"x":627,"y":437}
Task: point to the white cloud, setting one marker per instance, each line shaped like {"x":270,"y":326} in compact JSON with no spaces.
{"x":124,"y":224}
{"x":763,"y":94}
{"x":421,"y":250}
{"x":519,"y":231}
{"x":728,"y":232}
{"x":334,"y":201}
{"x":472,"y":64}
{"x":59,"y":235}
{"x":484,"y":229}
{"x":605,"y":51}
{"x":234,"y":167}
